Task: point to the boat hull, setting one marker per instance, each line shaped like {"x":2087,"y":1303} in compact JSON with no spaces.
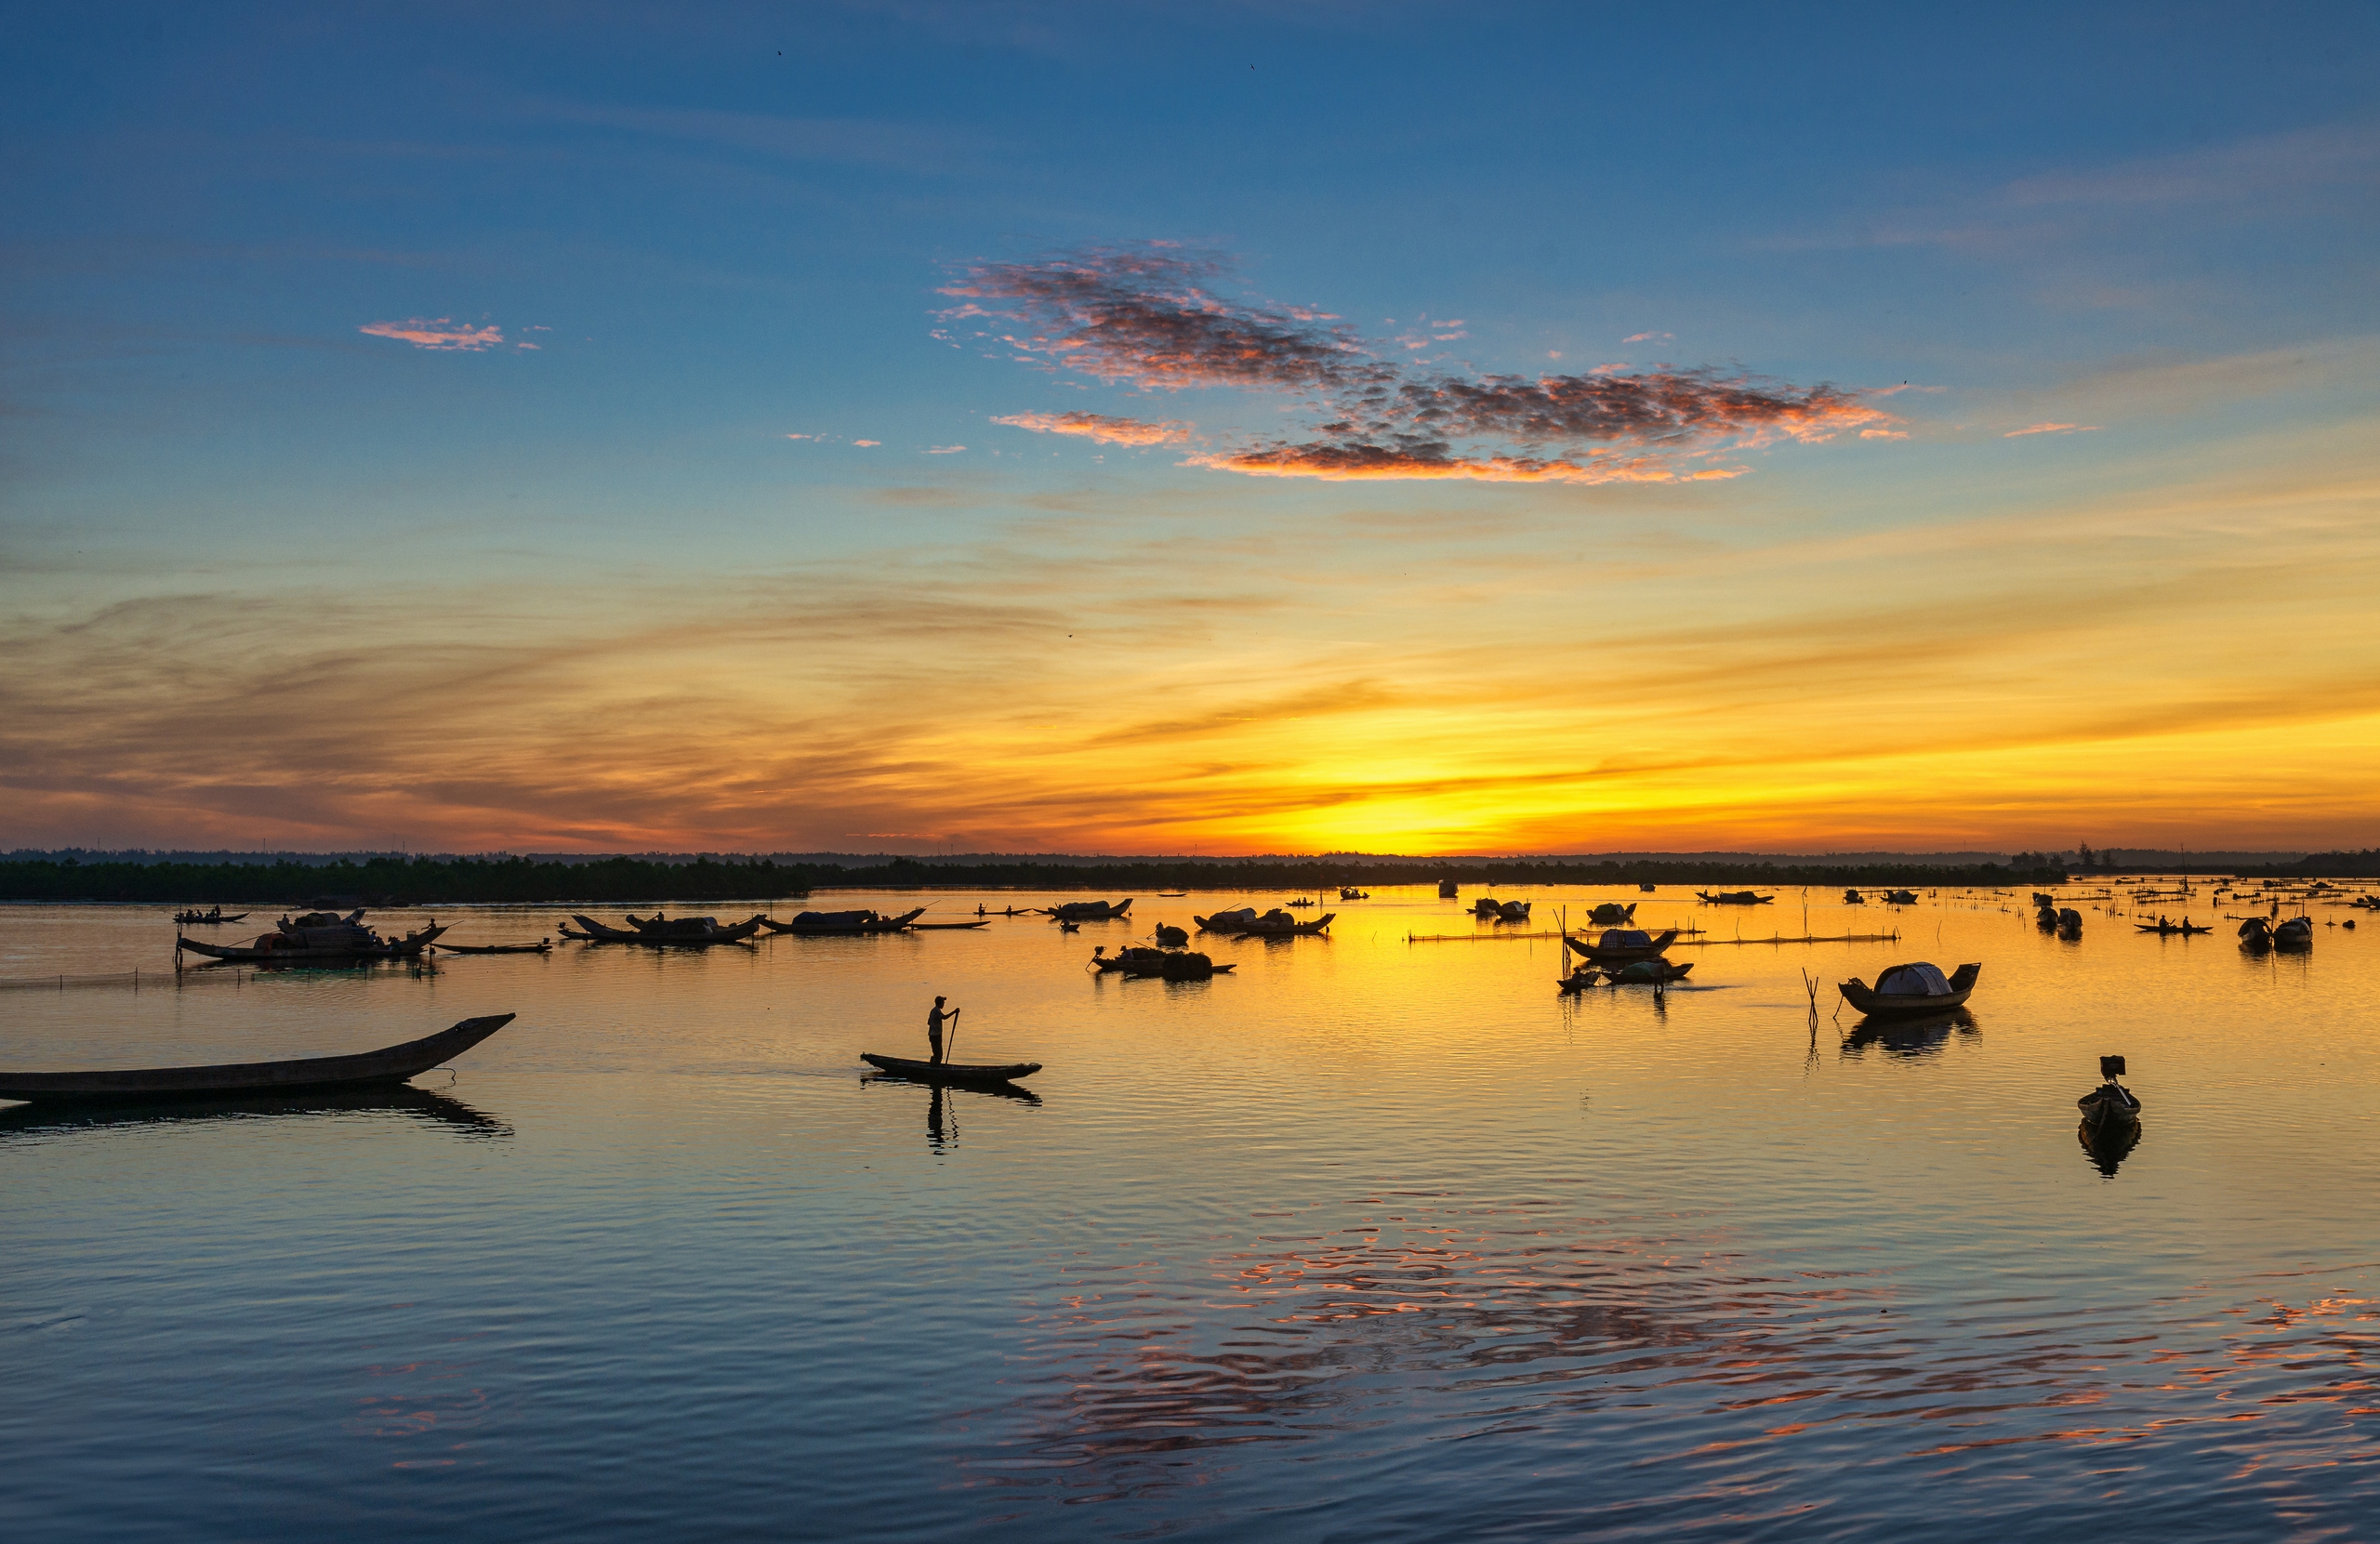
{"x":391,"y":1065}
{"x":1876,"y":1005}
{"x":960,"y":1072}
{"x":902,"y":923}
{"x":406,"y":948}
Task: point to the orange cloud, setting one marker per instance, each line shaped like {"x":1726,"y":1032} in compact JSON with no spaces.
{"x":2052,"y":428}
{"x":1342,"y":463}
{"x":443,"y":333}
{"x":1100,"y":427}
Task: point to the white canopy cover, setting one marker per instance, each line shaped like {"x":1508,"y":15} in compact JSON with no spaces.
{"x":1913,"y":981}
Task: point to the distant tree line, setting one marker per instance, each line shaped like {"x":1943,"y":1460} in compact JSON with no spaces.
{"x":2322,"y":865}
{"x":440,"y":881}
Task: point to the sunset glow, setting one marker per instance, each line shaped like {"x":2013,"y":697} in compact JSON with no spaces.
{"x":823,"y":457}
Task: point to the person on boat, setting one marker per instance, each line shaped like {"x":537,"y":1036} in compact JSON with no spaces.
{"x":935,"y":1019}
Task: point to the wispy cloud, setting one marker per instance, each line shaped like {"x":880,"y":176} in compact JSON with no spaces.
{"x":443,"y":333}
{"x":1100,"y":427}
{"x":1153,"y":317}
{"x":943,"y":450}
{"x":2051,"y":428}
{"x":1640,"y":337}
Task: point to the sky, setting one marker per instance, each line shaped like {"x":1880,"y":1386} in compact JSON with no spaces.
{"x":1217,"y":428}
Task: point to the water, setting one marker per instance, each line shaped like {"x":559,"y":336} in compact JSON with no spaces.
{"x":1370,"y":1239}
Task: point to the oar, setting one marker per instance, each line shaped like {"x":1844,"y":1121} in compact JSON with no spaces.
{"x":950,"y":1045}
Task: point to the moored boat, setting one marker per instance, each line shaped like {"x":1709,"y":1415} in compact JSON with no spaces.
{"x":390,"y":1064}
{"x":1917,"y":988}
{"x":317,"y":936}
{"x":205,"y":918}
{"x":817,"y":924}
{"x":1735,"y":898}
{"x":2110,"y":1106}
{"x":1087,"y":911}
{"x":682,"y":932}
{"x":2294,"y":934}
{"x":1611,"y":914}
{"x":543,"y":947}
{"x":1170,"y":964}
{"x":963,"y":1073}
{"x":1275,"y":923}
{"x":1623,"y":946}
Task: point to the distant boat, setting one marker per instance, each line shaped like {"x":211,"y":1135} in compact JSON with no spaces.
{"x":2186,"y":927}
{"x":1446,"y":889}
{"x":1852,"y":898}
{"x":1274,"y":924}
{"x":205,"y":918}
{"x":1346,"y":894}
{"x":1087,"y":911}
{"x":823,"y":923}
{"x":2069,"y":924}
{"x":391,"y":1064}
{"x":981,"y":1074}
{"x":543,"y":947}
{"x":1171,"y":964}
{"x":317,"y":936}
{"x":1611,"y":914}
{"x":1648,"y":887}
{"x":1735,"y":898}
{"x":682,"y":932}
{"x":1919,"y":988}
{"x":1501,"y":911}
{"x":1900,"y":898}
{"x":1623,"y":946}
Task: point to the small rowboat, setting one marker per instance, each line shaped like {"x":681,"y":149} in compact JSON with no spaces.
{"x":827,"y":924}
{"x":1735,"y":898}
{"x":543,"y":947}
{"x":1623,"y":946}
{"x":945,"y":927}
{"x":392,"y":1064}
{"x":206,"y":919}
{"x":979,"y":1074}
{"x":2167,"y":930}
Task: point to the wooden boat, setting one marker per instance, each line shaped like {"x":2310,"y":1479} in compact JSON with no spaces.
{"x":2046,"y":919}
{"x":684,"y":932}
{"x":2043,"y":898}
{"x":2294,"y":934}
{"x":1170,"y":937}
{"x":543,"y":947}
{"x":1611,"y":914}
{"x":1170,"y":964}
{"x":2069,"y":924}
{"x":1852,"y":898}
{"x":1490,"y":909}
{"x":1648,"y":886}
{"x":1735,"y":898}
{"x":2185,"y":928}
{"x":1884,"y":1000}
{"x":1446,"y":889}
{"x":945,"y":927}
{"x":1243,"y":923}
{"x":2111,"y":1106}
{"x":1643,"y":972}
{"x":1301,"y":900}
{"x":205,"y":918}
{"x":296,"y":944}
{"x":1346,"y":894}
{"x":821,"y":924}
{"x":1623,"y":946}
{"x":1089,"y":911}
{"x":1900,"y":898}
{"x":393,"y":1065}
{"x":963,"y":1073}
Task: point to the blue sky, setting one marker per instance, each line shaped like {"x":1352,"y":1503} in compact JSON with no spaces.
{"x":2151,"y":227}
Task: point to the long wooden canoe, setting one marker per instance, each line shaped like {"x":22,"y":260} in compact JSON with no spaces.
{"x":945,"y":927}
{"x":951,"y":1072}
{"x":392,"y":1064}
{"x":539,"y":948}
{"x":873,"y":924}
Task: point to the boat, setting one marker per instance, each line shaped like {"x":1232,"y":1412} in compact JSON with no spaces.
{"x":1648,"y":887}
{"x":1500,"y":911}
{"x":2043,"y":898}
{"x":1900,"y":898}
{"x":1245,"y":923}
{"x":543,"y":947}
{"x":682,"y":932}
{"x":391,"y":1064}
{"x":814,"y":924}
{"x":1623,"y":946}
{"x":945,"y":927}
{"x":205,"y":918}
{"x":1301,"y":901}
{"x":2110,"y":1106}
{"x":1087,"y":911}
{"x":1643,"y":972}
{"x":1446,"y":889}
{"x":1852,"y":898}
{"x":1170,"y":937}
{"x":982,"y":1075}
{"x":1346,"y":894}
{"x":1172,"y":895}
{"x":2295,"y":935}
{"x":1611,"y":914}
{"x":2069,"y":924}
{"x":1735,"y":898}
{"x":1171,"y":964}
{"x":2046,"y":919}
{"x":317,"y":936}
{"x":1919,"y":988}
{"x":2185,"y":928}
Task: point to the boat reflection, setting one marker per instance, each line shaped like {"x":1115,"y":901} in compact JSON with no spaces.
{"x":1910,"y":1037}
{"x":2108,"y":1146}
{"x":942,"y":1118}
{"x":37,"y":1120}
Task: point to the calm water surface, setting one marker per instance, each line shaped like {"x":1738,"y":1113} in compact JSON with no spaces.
{"x":1372,"y":1239}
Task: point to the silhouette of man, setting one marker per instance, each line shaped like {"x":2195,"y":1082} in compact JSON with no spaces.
{"x":935,"y":1019}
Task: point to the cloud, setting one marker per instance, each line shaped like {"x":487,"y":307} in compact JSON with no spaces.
{"x":443,"y":333}
{"x":1640,"y":337}
{"x":1100,"y":427}
{"x":2052,"y":428}
{"x":1142,"y":316}
{"x":943,"y":450}
{"x":1155,"y":317}
{"x":868,"y":442}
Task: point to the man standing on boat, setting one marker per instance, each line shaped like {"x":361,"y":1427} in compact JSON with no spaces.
{"x":935,"y":1019}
